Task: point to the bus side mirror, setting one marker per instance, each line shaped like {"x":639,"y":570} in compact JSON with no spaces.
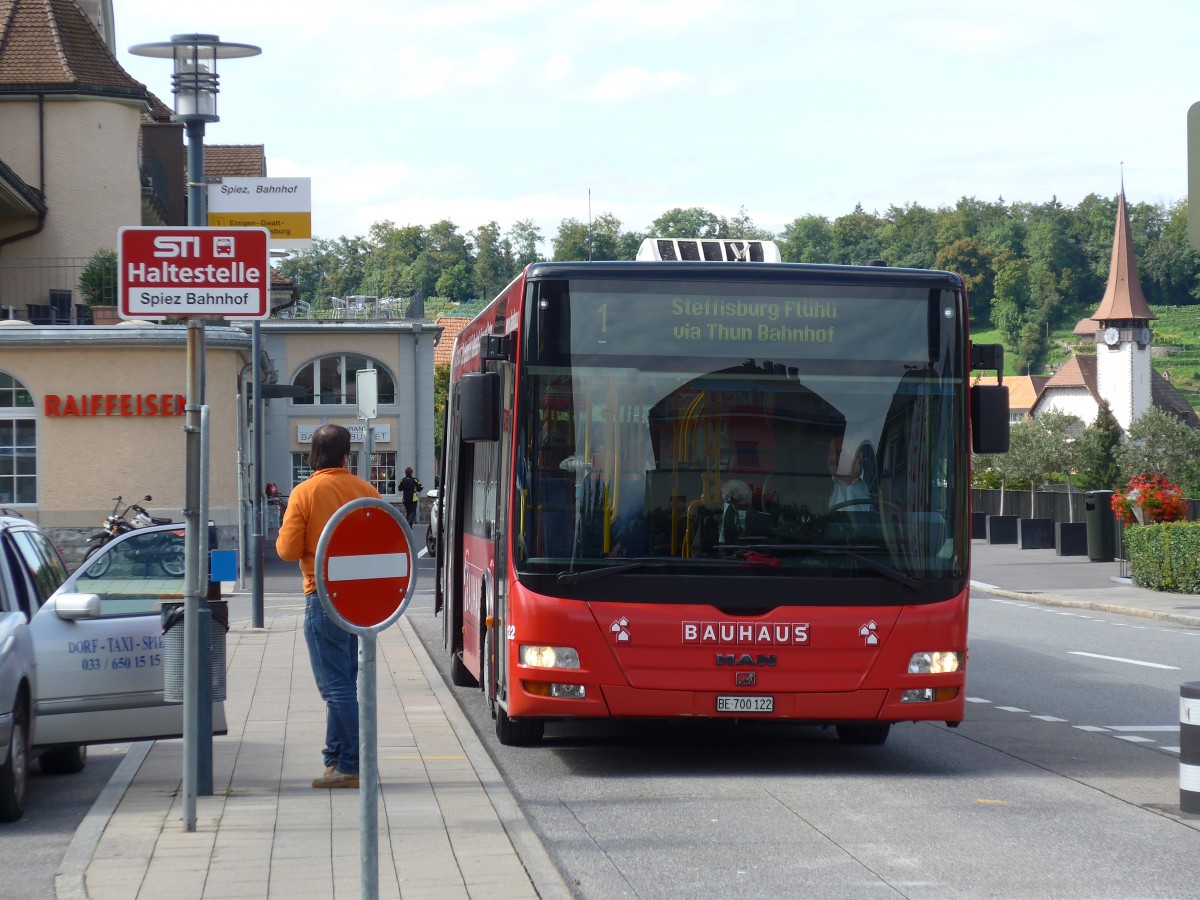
{"x":479,"y":407}
{"x":989,"y":418}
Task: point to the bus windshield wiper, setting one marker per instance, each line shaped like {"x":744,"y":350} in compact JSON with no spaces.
{"x":848,"y":551}
{"x":605,"y":571}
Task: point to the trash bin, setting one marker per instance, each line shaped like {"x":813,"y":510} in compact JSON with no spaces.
{"x":217,"y":616}
{"x":1101,"y":526}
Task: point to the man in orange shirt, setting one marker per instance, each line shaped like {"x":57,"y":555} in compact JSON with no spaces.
{"x":332,"y":651}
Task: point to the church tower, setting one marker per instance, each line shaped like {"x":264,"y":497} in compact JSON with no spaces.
{"x":1122,"y":330}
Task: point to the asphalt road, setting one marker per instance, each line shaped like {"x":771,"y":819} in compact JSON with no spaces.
{"x":32,"y":848}
{"x":1061,"y":783}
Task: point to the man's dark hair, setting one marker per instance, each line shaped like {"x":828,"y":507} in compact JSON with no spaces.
{"x":330,"y":447}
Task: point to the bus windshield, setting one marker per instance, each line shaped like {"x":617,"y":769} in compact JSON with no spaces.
{"x":775,"y":429}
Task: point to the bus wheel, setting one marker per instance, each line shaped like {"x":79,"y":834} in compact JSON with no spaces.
{"x":460,"y":676}
{"x":518,"y":732}
{"x":875,"y":733}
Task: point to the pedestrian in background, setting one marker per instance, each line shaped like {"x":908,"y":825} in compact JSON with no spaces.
{"x":332,"y":651}
{"x":409,"y":489}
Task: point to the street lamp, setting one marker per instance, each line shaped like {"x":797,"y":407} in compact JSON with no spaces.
{"x":195,"y":87}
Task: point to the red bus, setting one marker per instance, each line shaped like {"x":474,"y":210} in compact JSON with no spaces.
{"x":714,"y":489}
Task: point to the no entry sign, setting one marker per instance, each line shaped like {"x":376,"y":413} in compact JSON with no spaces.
{"x":214,"y":272}
{"x":364,"y":565}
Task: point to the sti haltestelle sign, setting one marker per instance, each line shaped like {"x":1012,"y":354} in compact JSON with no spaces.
{"x":209,"y":272}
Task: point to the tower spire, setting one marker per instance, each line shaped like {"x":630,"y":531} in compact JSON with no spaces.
{"x":1123,"y":297}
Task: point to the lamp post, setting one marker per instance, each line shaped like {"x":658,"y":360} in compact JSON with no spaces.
{"x":195,"y":87}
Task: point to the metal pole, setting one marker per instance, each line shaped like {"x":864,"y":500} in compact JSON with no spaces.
{"x":257,"y":549}
{"x":191,"y":513}
{"x":368,"y":771}
{"x":204,"y":773}
{"x":191,"y":556}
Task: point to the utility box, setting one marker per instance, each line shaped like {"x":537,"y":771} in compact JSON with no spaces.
{"x":1101,"y":526}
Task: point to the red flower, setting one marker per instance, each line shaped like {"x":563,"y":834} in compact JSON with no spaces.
{"x":1158,"y":499}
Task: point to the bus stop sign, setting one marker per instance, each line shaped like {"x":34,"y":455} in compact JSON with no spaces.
{"x":364,"y":565}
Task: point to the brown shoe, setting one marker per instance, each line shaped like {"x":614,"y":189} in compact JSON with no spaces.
{"x":329,"y":770}
{"x":337,"y":780}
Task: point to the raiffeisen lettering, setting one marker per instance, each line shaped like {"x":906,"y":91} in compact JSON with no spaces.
{"x":172,"y":273}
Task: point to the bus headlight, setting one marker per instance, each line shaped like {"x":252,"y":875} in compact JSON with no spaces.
{"x":937,"y":662}
{"x":549,"y":657}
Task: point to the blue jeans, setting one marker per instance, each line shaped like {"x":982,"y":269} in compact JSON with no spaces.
{"x":334,"y":657}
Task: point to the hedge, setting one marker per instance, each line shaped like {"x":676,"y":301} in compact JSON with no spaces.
{"x":1165,"y":557}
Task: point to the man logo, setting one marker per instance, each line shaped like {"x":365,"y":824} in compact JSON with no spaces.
{"x":745,"y":659}
{"x":745,"y":679}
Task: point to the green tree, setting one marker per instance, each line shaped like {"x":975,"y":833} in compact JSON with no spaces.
{"x":604,"y":240}
{"x":1033,"y":450}
{"x":856,"y":239}
{"x":743,"y":227}
{"x":693,"y":222}
{"x":1098,"y":449}
{"x":808,"y":239}
{"x":441,"y":391}
{"x":494,"y":265}
{"x":524,"y":238}
{"x":454,"y":283}
{"x":1160,"y":444}
{"x":973,"y":262}
{"x":1010,"y":297}
{"x":909,"y":237}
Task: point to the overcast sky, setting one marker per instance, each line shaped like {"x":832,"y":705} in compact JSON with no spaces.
{"x":479,"y":110}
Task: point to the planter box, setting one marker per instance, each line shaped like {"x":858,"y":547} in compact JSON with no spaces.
{"x":1002,"y":529}
{"x":1070,"y":538}
{"x":1035,"y":534}
{"x":979,"y":526}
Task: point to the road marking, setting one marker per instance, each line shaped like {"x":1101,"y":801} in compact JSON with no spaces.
{"x":1091,"y":728}
{"x":1048,"y":718}
{"x":977,"y":700}
{"x":1132,"y":662}
{"x":1012,"y":709}
{"x":1134,"y":738}
{"x":1143,"y":727}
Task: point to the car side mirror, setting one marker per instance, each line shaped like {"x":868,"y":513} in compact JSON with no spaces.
{"x":77,"y":606}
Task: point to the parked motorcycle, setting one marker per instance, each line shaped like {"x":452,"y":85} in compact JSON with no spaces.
{"x":169,"y":556}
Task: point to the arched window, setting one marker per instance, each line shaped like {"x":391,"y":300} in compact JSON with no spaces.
{"x":331,"y":380}
{"x":18,"y":443}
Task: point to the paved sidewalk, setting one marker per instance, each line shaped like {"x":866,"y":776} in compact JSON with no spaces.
{"x":1045,"y":577}
{"x":448,"y":826}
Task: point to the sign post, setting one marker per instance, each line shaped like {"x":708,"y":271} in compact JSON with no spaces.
{"x":194,"y":273}
{"x":365,"y":577}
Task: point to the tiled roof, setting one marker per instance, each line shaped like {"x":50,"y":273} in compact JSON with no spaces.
{"x":1123,"y":297}
{"x":1165,"y":396}
{"x":451,"y":326}
{"x":1078,"y":371}
{"x":51,"y":46}
{"x":234,"y":160}
{"x":1023,"y":390}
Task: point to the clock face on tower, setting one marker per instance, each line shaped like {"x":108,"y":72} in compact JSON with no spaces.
{"x":1111,"y":336}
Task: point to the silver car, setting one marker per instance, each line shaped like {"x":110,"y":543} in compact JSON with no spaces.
{"x":98,"y":647}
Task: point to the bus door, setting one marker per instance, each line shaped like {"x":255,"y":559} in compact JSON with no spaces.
{"x":504,"y":514}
